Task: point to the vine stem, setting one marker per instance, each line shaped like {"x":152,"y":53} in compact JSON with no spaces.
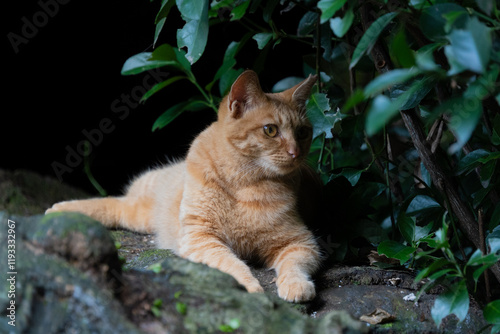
{"x":209,"y":98}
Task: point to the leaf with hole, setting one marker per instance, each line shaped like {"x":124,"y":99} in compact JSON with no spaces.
{"x":194,"y":34}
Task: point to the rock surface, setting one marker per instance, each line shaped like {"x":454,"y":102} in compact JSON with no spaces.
{"x":74,"y":276}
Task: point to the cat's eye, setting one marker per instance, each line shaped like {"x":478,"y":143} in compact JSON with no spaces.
{"x":271,"y":130}
{"x":303,"y":132}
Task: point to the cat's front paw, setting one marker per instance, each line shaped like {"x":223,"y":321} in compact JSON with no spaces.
{"x":296,"y":289}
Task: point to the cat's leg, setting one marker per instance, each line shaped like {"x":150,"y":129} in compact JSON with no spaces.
{"x":128,"y":212}
{"x":294,"y":264}
{"x":199,"y":245}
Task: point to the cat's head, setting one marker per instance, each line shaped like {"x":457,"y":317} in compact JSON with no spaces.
{"x":270,"y":130}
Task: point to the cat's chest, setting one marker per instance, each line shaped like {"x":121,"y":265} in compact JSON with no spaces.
{"x":263,"y":202}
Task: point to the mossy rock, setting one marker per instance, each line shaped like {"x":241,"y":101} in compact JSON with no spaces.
{"x":70,"y":280}
{"x":27,"y":193}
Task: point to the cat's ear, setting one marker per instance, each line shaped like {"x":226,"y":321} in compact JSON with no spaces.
{"x":245,"y":93}
{"x":300,"y":92}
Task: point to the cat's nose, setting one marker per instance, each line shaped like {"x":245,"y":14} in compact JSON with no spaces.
{"x":294,"y":152}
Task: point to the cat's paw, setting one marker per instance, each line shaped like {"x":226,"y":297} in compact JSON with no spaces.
{"x":254,"y":288}
{"x":252,"y":285}
{"x":62,"y":206}
{"x":296,"y":289}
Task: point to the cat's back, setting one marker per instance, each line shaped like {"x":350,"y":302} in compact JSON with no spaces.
{"x":159,"y":181}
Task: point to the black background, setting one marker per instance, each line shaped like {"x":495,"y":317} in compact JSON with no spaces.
{"x":64,"y":79}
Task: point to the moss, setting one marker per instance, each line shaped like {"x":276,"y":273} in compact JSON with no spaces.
{"x":146,"y":258}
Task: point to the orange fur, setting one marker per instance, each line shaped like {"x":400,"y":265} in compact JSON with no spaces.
{"x":235,"y":195}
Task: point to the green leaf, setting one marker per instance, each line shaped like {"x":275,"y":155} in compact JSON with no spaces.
{"x":322,"y":122}
{"x":329,"y":8}
{"x":142,"y":62}
{"x":396,"y":250}
{"x":422,"y":203}
{"x":228,"y":62}
{"x":389,"y":79}
{"x":380,"y":112}
{"x":493,"y":240}
{"x":465,"y":115}
{"x":491,"y":312}
{"x":181,"y":308}
{"x":164,"y":55}
{"x":401,"y":50}
{"x":439,"y":263}
{"x":471,"y":47}
{"x":227,"y":79}
{"x":262,"y":39}
{"x":269,"y":10}
{"x":340,"y":26}
{"x":404,"y":97}
{"x":370,"y":37}
{"x":407,"y":227}
{"x":408,"y":95}
{"x":286,"y":83}
{"x":471,"y":161}
{"x":159,"y":86}
{"x":424,"y":57}
{"x":433,"y":22}
{"x":307,"y":23}
{"x":194,"y":34}
{"x":172,"y":112}
{"x":161,"y":17}
{"x":352,"y":175}
{"x":239,"y":11}
{"x":486,"y":262}
{"x":455,"y":300}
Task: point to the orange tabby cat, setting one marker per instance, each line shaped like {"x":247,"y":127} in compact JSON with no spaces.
{"x":234,"y":197}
